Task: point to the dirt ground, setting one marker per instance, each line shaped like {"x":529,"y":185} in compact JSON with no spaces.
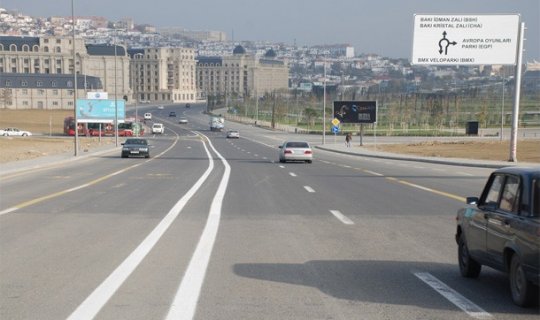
{"x":48,"y":139}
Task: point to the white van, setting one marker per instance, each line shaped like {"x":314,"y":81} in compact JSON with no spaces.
{"x":158,"y":128}
{"x":148,"y":116}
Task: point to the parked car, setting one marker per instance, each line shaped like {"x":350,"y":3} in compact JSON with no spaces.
{"x":14,"y":132}
{"x":233,"y":134}
{"x":172,"y":114}
{"x":295,"y":151}
{"x":160,"y":107}
{"x":501,"y":229}
{"x":188,"y":105}
{"x":182,"y":120}
{"x":158,"y":128}
{"x":147,"y":116}
{"x":135,"y":147}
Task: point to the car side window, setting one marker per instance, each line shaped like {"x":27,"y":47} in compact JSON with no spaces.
{"x":492,"y":198}
{"x":536,"y":198}
{"x":510,"y":195}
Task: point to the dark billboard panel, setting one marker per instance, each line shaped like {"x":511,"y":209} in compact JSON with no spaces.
{"x":355,"y":111}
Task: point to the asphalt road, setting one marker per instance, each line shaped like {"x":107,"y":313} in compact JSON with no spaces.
{"x":214,"y":228}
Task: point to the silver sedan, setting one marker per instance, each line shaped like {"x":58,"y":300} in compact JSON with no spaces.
{"x":295,"y":151}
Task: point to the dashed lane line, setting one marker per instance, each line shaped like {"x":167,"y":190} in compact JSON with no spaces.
{"x":453,"y":296}
{"x":341,"y":217}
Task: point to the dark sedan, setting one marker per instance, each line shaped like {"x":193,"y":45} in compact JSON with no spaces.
{"x":136,"y":147}
{"x":501,"y":229}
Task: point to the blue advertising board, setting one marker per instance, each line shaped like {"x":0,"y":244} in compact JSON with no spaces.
{"x":92,"y":110}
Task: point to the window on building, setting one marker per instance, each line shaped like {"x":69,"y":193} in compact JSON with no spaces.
{"x":39,"y":83}
{"x":24,"y":83}
{"x":53,"y":84}
{"x":55,"y":92}
{"x":8,"y":83}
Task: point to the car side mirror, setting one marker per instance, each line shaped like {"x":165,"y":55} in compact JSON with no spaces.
{"x":281,"y":147}
{"x":122,"y":143}
{"x":472,"y":200}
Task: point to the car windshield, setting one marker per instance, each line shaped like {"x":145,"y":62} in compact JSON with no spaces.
{"x":297,"y":145}
{"x":136,"y":141}
{"x":156,"y":126}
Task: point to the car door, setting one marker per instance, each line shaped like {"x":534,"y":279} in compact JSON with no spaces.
{"x":478,"y":218}
{"x":502,"y":221}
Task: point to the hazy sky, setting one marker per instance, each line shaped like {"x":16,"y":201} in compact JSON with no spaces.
{"x":372,"y":26}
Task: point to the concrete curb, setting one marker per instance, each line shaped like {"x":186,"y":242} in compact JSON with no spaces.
{"x":446,"y":161}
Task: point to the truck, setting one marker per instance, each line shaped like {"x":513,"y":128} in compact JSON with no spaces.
{"x":217,"y":123}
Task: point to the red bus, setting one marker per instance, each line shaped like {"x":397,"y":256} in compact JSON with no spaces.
{"x":125,"y":129}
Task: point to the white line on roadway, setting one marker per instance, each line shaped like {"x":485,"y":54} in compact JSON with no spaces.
{"x":341,"y":217}
{"x":99,"y":297}
{"x":292,"y":174}
{"x":373,"y":173}
{"x":282,"y":167}
{"x":453,"y":296}
{"x":309,"y":189}
{"x":185,"y":302}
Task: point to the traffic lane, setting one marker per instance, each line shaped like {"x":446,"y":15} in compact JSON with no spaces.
{"x":162,"y":271}
{"x":408,"y":241}
{"x":422,"y":225}
{"x":285,"y":227}
{"x":23,"y":186}
{"x":456,"y":180}
{"x":58,"y":253}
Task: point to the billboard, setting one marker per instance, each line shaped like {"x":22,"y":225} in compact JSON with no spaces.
{"x":455,"y":39}
{"x":89,"y":110}
{"x":355,"y":111}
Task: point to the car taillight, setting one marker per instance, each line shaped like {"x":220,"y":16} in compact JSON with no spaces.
{"x":307,"y":152}
{"x":287,"y":151}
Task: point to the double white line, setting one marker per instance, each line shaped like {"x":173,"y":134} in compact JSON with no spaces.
{"x":185,"y":301}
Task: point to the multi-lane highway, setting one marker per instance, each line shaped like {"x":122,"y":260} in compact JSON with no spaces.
{"x":214,"y":228}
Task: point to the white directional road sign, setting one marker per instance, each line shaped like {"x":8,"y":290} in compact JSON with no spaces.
{"x":465,"y":39}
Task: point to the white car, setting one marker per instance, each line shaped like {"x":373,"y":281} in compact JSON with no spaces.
{"x":148,"y":116}
{"x":183,"y":120}
{"x":295,"y":151}
{"x":233,"y":134}
{"x":15,"y":132}
{"x":160,"y":107}
{"x":158,"y":128}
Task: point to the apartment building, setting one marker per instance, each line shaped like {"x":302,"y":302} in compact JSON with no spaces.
{"x":240,"y":75}
{"x":43,"y":91}
{"x":163,"y":74}
{"x":54,"y":56}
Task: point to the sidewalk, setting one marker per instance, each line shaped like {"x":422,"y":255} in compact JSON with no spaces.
{"x":357,"y":150}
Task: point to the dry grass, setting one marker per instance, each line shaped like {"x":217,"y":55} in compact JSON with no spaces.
{"x":527,"y":150}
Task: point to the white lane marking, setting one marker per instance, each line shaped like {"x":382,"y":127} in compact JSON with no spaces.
{"x":99,"y":297}
{"x":373,"y":173}
{"x":346,"y":166}
{"x":453,"y":296}
{"x":309,"y":189}
{"x":292,"y":174}
{"x":465,"y":173}
{"x":185,"y":302}
{"x":255,"y":155}
{"x":341,"y":217}
{"x":265,"y":158}
{"x":282,"y":167}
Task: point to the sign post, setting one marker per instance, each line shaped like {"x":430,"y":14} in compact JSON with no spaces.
{"x":453,"y":39}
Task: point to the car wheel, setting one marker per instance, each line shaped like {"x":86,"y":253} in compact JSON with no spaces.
{"x":523,"y":291}
{"x":282,"y":160}
{"x":467,"y":265}
{"x":308,"y":161}
{"x":147,"y":156}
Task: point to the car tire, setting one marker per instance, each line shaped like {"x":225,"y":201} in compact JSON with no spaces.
{"x":468,"y":267}
{"x":282,"y":160}
{"x":524,"y":293}
{"x":308,"y":161}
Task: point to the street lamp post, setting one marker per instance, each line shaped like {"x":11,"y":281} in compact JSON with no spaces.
{"x":115,"y":97}
{"x":324,"y":104}
{"x":76,"y":142}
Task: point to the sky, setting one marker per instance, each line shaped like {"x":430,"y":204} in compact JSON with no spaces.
{"x":383,"y":27}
